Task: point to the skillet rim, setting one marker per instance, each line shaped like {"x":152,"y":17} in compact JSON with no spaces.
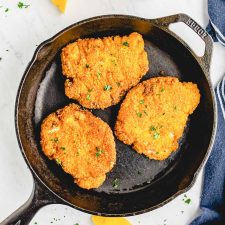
{"x":151,"y":21}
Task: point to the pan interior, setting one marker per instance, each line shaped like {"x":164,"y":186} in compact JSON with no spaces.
{"x":132,"y":170}
{"x":139,"y":178}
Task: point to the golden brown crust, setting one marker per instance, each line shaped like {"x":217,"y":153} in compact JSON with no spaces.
{"x":154,"y":113}
{"x":80,"y":142}
{"x":90,"y":182}
{"x":100,"y":71}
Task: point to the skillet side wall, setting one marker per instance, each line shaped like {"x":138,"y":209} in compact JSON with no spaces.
{"x":176,"y":175}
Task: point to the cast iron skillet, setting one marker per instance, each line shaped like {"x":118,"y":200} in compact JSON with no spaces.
{"x":144,"y":184}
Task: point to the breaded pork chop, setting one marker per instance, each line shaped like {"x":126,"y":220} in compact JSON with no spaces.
{"x":81,"y":143}
{"x":100,"y":71}
{"x":153,"y":115}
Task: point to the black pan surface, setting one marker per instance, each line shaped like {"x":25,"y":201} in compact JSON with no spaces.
{"x":132,"y":170}
{"x":143,"y":184}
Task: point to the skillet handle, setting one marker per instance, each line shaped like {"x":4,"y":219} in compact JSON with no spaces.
{"x":39,"y":197}
{"x":164,"y":22}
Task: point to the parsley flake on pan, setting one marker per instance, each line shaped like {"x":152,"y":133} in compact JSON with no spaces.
{"x":115,"y":183}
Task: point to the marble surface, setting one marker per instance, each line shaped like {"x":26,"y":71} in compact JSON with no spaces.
{"x":21,"y":30}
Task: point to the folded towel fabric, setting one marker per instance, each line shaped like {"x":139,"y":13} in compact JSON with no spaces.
{"x":216,"y":27}
{"x":213,"y":194}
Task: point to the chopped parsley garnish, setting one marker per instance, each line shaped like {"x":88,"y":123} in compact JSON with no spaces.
{"x":88,"y":97}
{"x":139,"y":114}
{"x":126,"y":44}
{"x":157,"y":153}
{"x":87,"y":66}
{"x":115,"y":183}
{"x":7,"y":9}
{"x":22,"y":5}
{"x":145,"y":113}
{"x":142,"y":101}
{"x":175,"y":107}
{"x":118,"y":84}
{"x":114,"y":62}
{"x":58,"y":161}
{"x":139,"y":173}
{"x":98,"y":151}
{"x":99,"y":75}
{"x":63,"y":148}
{"x":89,"y":90}
{"x":76,"y":224}
{"x":35,"y":222}
{"x":152,"y":128}
{"x":107,"y":87}
{"x":55,"y":140}
{"x":156,"y":135}
{"x":162,"y":90}
{"x":188,"y":201}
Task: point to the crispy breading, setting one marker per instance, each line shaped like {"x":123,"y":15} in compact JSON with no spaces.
{"x":90,"y":182}
{"x":100,"y":71}
{"x":81,"y":143}
{"x":153,"y":115}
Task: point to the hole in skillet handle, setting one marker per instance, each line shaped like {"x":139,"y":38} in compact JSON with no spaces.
{"x":165,"y":23}
{"x":192,"y":39}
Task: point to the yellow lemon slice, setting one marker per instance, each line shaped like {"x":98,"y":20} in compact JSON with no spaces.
{"x":99,"y":220}
{"x":60,"y":4}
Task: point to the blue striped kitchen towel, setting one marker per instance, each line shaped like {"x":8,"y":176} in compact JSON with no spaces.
{"x":213,"y":193}
{"x":216,"y":26}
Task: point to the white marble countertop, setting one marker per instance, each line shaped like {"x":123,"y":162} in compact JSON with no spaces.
{"x":21,"y":30}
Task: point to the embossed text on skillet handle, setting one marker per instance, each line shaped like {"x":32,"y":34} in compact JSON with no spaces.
{"x":164,"y":23}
